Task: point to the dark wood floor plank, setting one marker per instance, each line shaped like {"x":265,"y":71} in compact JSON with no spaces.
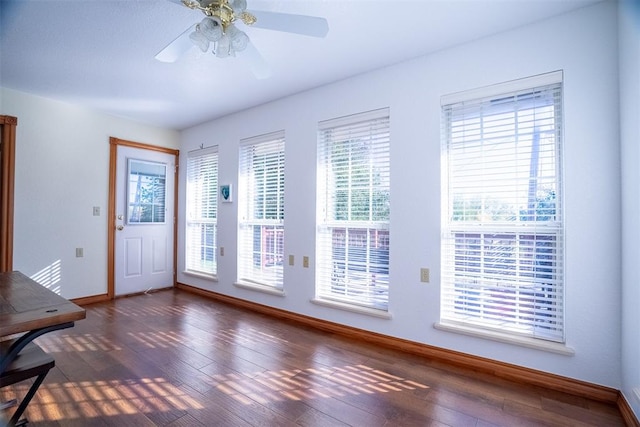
{"x":210,"y":412}
{"x":576,"y":412}
{"x":173,"y":359}
{"x":315,"y":418}
{"x":535,"y":416}
{"x":243,"y":400}
{"x":186,"y":421}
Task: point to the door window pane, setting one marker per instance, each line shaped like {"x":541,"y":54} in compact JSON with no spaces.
{"x":146,"y":192}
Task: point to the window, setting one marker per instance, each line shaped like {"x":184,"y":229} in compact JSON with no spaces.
{"x":146,"y":195}
{"x":502,"y":246}
{"x":261,"y":210}
{"x":352,"y":255}
{"x":202,"y":211}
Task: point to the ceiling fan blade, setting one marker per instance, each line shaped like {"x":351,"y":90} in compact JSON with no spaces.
{"x":177,"y":47}
{"x":299,"y":24}
{"x":257,"y":63}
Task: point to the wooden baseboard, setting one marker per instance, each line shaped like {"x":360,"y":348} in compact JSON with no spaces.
{"x":627,"y":413}
{"x":105,"y":297}
{"x":479,"y":364}
{"x":90,"y":300}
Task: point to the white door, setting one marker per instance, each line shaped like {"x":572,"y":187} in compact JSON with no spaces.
{"x":144,"y":220}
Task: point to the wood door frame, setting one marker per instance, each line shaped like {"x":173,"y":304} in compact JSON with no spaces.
{"x":7,"y":180}
{"x":111,"y":211}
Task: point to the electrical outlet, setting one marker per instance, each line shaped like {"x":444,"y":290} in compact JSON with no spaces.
{"x":290,"y":259}
{"x":305,"y":261}
{"x":221,"y":250}
{"x":79,"y":252}
{"x":424,"y":275}
{"x":96,"y":211}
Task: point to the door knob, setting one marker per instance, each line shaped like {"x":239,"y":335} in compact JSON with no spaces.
{"x":120,"y":227}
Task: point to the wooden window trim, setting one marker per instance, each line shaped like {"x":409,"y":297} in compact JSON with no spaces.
{"x":8,"y":126}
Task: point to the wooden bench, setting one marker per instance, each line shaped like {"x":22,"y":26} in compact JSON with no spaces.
{"x":31,"y":362}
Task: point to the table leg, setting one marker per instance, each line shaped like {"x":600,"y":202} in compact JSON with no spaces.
{"x":25,"y":339}
{"x":23,"y":405}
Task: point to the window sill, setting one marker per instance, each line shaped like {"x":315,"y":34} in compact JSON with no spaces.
{"x":211,"y":277}
{"x":533,"y":343}
{"x":260,"y":288}
{"x":352,"y":308}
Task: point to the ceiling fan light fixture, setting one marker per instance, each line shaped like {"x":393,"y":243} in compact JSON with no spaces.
{"x":239,"y":40}
{"x":223,"y":47}
{"x":211,"y":27}
{"x":199,"y":39}
{"x":238,"y":6}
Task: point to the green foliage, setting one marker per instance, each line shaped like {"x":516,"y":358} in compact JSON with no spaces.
{"x":268,"y":174}
{"x":477,"y":209}
{"x":359,"y":193}
{"x":544,"y":206}
{"x":151,"y":199}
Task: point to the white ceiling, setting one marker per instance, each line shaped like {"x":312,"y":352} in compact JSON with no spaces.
{"x":100,"y":53}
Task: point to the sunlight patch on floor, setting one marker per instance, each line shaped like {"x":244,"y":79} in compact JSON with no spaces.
{"x":90,"y":399}
{"x":76,"y":343}
{"x":313,"y":383}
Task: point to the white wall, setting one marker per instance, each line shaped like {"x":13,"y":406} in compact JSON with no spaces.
{"x":584,"y":45}
{"x":62,"y":172}
{"x":629,"y":25}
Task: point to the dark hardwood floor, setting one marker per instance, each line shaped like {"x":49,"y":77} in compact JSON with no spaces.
{"x":171,"y":358}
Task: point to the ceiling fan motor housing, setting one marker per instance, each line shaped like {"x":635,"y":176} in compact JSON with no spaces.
{"x":227,"y":10}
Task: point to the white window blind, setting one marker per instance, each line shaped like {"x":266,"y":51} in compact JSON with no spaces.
{"x":261,"y":210}
{"x":502,"y":245}
{"x":352,"y":254}
{"x":202,"y":211}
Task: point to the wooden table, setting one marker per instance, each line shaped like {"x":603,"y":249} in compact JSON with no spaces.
{"x":28,"y":310}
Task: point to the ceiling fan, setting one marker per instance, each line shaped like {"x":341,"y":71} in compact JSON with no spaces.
{"x":217,"y":31}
